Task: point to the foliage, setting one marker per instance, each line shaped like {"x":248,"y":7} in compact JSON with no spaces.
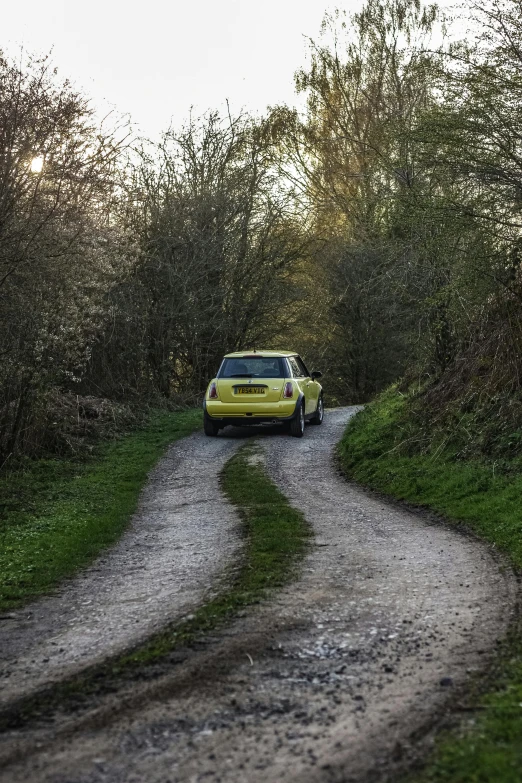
{"x":217,"y":241}
{"x":59,"y":250}
{"x":359,"y":169}
{"x":377,"y":232}
{"x":127,"y":273}
{"x":407,"y":162}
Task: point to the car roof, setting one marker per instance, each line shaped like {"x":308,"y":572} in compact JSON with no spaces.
{"x":267,"y":354}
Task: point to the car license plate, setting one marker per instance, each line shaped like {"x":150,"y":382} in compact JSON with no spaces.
{"x":250,"y":390}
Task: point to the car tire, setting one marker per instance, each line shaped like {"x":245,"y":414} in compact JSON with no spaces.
{"x":319,"y":413}
{"x":210,"y":427}
{"x":297,"y":424}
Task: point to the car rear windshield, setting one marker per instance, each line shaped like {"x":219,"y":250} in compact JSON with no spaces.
{"x":253,"y":367}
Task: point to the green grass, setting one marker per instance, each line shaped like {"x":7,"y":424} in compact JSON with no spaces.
{"x":276,"y":539}
{"x":476,"y":492}
{"x":57,"y":515}
{"x":379,"y":450}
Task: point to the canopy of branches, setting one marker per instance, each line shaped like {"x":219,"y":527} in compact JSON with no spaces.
{"x":378,"y":232}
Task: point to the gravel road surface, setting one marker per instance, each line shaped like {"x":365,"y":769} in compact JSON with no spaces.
{"x":334,"y":679}
{"x":183,"y":534}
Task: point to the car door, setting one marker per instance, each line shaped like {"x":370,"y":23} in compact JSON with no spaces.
{"x":311,"y":388}
{"x":304,"y":381}
{"x":299,"y":376}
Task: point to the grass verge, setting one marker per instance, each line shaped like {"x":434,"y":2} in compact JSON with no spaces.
{"x":57,"y":515}
{"x":276,"y":539}
{"x":378,"y":451}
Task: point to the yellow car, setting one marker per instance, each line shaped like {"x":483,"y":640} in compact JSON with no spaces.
{"x":263,"y":386}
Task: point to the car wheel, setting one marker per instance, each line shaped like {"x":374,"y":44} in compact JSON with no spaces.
{"x":210,"y":427}
{"x":297,"y":425}
{"x":319,"y":413}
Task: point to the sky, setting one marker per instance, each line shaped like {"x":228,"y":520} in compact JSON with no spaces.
{"x":155,"y":59}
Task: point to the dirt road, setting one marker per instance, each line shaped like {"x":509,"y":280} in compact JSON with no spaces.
{"x":327,"y":682}
{"x":181,"y":537}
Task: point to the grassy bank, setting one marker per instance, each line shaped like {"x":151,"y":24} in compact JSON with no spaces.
{"x":381,"y":450}
{"x":57,"y":515}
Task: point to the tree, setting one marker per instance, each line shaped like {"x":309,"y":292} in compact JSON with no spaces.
{"x":472,"y":146}
{"x":360,"y":171}
{"x":59,"y":248}
{"x":217,"y":244}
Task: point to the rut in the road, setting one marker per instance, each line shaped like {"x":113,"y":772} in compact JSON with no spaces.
{"x":182,"y":536}
{"x":333,"y":675}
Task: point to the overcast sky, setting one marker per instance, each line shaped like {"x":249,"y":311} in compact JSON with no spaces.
{"x":155,"y":59}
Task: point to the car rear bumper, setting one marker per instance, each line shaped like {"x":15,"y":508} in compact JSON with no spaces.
{"x":224,"y":413}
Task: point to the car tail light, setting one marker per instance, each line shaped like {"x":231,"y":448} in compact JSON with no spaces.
{"x":288,"y":390}
{"x":212,"y":392}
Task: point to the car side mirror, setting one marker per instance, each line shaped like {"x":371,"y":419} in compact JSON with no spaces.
{"x":316,"y":375}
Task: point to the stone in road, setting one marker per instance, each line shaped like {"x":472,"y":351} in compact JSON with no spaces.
{"x":183,"y":533}
{"x":326,"y":682}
